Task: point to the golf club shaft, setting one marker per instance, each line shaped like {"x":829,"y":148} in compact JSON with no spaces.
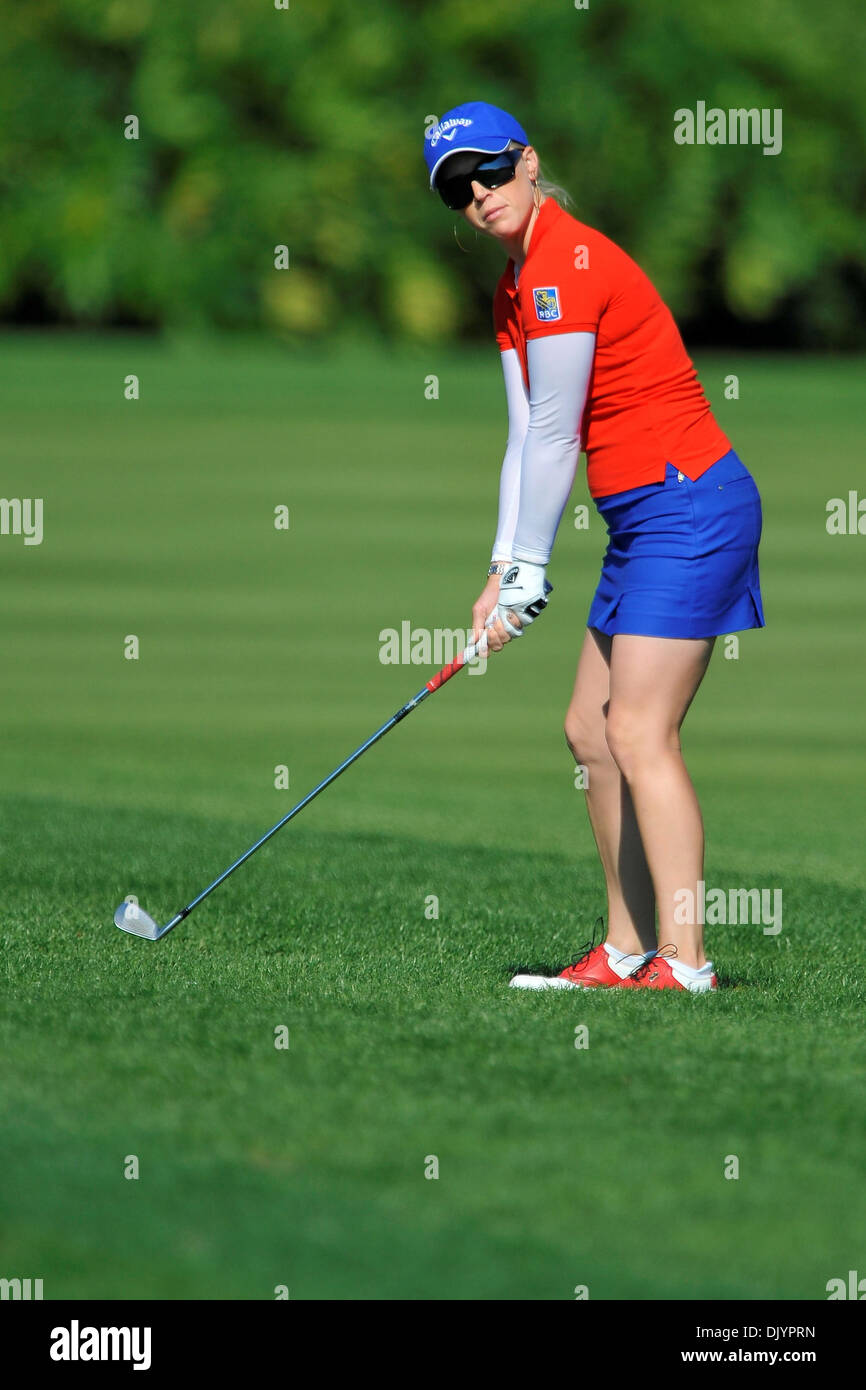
{"x":432,"y":685}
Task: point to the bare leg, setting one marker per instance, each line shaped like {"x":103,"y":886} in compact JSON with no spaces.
{"x":630,"y":896}
{"x":653,"y":680}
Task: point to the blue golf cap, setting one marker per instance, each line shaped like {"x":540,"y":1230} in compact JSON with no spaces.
{"x":473,"y":126}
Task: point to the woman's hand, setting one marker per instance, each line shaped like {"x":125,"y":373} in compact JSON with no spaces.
{"x":482,"y":609}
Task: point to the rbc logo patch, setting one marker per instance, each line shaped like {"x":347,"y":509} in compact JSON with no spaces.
{"x":547,"y":304}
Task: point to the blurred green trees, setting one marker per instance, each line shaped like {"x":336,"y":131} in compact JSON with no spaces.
{"x":304,"y":126}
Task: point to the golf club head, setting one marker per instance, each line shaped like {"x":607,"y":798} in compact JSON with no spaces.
{"x":132,"y":918}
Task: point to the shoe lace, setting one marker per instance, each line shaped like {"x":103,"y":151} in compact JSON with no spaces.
{"x":589,"y":946}
{"x":667,"y":952}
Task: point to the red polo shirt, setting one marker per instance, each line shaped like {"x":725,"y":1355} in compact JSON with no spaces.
{"x":645,"y":406}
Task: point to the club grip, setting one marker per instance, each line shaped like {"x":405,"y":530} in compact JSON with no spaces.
{"x":451,"y":669}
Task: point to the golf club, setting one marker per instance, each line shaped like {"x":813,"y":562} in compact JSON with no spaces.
{"x":132,"y":918}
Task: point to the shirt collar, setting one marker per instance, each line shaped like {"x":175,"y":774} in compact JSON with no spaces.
{"x":547,"y":215}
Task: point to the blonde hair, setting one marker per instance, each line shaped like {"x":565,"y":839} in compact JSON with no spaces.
{"x":546,"y":185}
{"x":553,"y":190}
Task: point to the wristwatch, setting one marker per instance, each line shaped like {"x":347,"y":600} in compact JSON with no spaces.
{"x":498,"y":567}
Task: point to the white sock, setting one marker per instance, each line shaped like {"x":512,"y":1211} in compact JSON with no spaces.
{"x":689,"y":970}
{"x":620,"y":962}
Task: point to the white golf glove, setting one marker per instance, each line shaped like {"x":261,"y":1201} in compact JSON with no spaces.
{"x":523,"y":594}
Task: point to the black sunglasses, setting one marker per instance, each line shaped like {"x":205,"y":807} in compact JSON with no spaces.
{"x":492,"y":171}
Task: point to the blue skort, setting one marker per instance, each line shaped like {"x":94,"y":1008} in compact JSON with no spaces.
{"x":682,"y":559}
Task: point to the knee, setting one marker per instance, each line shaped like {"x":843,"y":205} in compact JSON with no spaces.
{"x":635,"y":743}
{"x":622,"y":735}
{"x":584,"y":734}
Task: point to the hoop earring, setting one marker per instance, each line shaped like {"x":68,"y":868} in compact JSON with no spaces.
{"x":459,"y":242}
{"x":536,"y":195}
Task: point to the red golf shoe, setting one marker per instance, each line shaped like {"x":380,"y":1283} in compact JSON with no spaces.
{"x":591,"y":970}
{"x":662,"y":972}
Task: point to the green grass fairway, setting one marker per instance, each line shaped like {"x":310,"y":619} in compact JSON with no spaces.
{"x":305,"y":1167}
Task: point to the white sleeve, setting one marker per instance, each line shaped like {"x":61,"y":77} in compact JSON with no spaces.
{"x":509,"y":479}
{"x":560,"y":366}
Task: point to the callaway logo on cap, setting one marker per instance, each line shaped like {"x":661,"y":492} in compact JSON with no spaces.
{"x":473,"y":126}
{"x":446,"y":130}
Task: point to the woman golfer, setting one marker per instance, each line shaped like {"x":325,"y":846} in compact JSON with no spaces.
{"x":592,"y":359}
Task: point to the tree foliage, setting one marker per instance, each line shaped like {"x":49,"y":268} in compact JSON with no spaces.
{"x":303,"y":127}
